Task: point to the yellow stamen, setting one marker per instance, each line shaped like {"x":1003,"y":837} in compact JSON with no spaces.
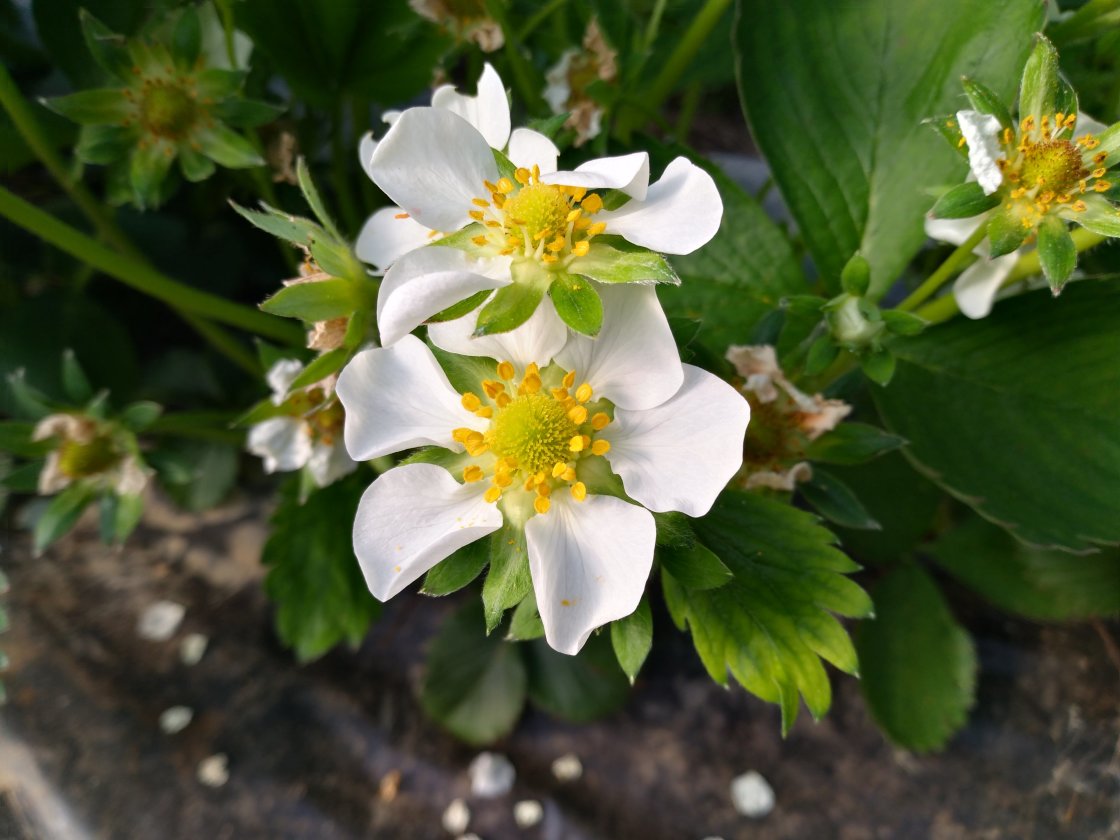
{"x":592,"y":204}
{"x":583,"y":392}
{"x":600,"y":447}
{"x":493,"y":494}
{"x":505,"y":185}
{"x":472,"y":473}
{"x":480,"y":202}
{"x":471,"y":402}
{"x":600,"y":421}
{"x":569,"y":379}
{"x":578,"y":415}
{"x":576,"y":444}
{"x":580,"y":249}
{"x":579,"y":491}
{"x":505,"y":370}
{"x":559,"y":469}
{"x":541,"y":504}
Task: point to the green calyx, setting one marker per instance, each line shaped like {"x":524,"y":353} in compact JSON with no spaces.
{"x":167,"y":109}
{"x":82,"y":460}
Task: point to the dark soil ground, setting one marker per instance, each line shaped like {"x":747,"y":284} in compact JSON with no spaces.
{"x":82,"y":754}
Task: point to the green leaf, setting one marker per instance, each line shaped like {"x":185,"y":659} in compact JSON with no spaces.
{"x":15,"y":437}
{"x":216,"y":83}
{"x":107,"y":47}
{"x":632,"y":638}
{"x":852,"y":443}
{"x":963,"y":202}
{"x":694,"y":566}
{"x":140,"y":415}
{"x":621,"y":262}
{"x":1056,"y":252}
{"x":227,"y":148}
{"x":103,"y":144}
{"x":1006,"y":231}
{"x":855,"y":279}
{"x":577,"y":303}
{"x":321,"y":367}
{"x":526,"y":623}
{"x":510,"y":307}
{"x":903,"y":323}
{"x":89,"y":107}
{"x":749,"y":262}
{"x":294,"y":229}
{"x":918,"y":664}
{"x":195,"y":166}
{"x":318,"y":301}
{"x":474,"y":684}
{"x":822,"y":353}
{"x":314,"y":200}
{"x":186,"y":39}
{"x":61,"y":514}
{"x":246,"y":113}
{"x":508,"y":581}
{"x":1038,"y":90}
{"x":458,"y":570}
{"x":74,"y":380}
{"x":197,"y":474}
{"x":769,"y":625}
{"x":1099,"y":216}
{"x":119,"y":516}
{"x":1032,"y":582}
{"x":313,"y":576}
{"x":578,"y":688}
{"x":843,"y":132}
{"x":835,"y":501}
{"x":147,"y":169}
{"x":879,"y":366}
{"x":1016,"y":414}
{"x":985,"y":101}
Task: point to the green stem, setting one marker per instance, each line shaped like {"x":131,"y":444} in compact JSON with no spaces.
{"x":225,"y":343}
{"x":530,"y":93}
{"x":142,"y":276}
{"x":538,"y":17}
{"x":202,"y":425}
{"x":654,"y":25}
{"x":343,"y":159}
{"x":954,"y":263}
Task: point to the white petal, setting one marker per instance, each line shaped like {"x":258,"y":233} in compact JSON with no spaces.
{"x":681,"y":454}
{"x":397,"y":398}
{"x":981,"y":134}
{"x":330,"y":462}
{"x":432,"y":163}
{"x":953,"y":231}
{"x":428,"y":280}
{"x":528,"y":147}
{"x":634,"y":361}
{"x":283,"y":442}
{"x":629,"y":173}
{"x":975,"y":290}
{"x":385,"y":237}
{"x":51,"y":477}
{"x":559,"y":87}
{"x":1088,"y":125}
{"x":488,"y":112}
{"x":131,"y":476}
{"x":412,"y":517}
{"x":537,"y":340}
{"x":590,"y":561}
{"x":280,"y":377}
{"x":366,"y":147}
{"x":681,"y":212}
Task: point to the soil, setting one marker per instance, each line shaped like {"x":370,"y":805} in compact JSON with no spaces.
{"x":82,"y":753}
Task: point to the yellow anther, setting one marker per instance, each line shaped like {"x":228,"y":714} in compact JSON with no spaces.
{"x":477,"y":215}
{"x":1091,"y":142}
{"x":575,"y":214}
{"x":401,"y":216}
{"x":490,"y":188}
{"x":569,"y":474}
{"x":472,"y":473}
{"x":549,"y":258}
{"x":592,"y":204}
{"x":580,"y":249}
{"x":1064,"y":198}
{"x":480,"y":202}
{"x":522,"y":176}
{"x":578,"y":415}
{"x":596,"y":229}
{"x":559,"y":469}
{"x":577,"y":193}
{"x":492,"y":388}
{"x":471,"y":402}
{"x":583,"y":392}
{"x":569,"y":379}
{"x":1102,"y":186}
{"x":559,"y":394}
{"x":960,"y":143}
{"x":541,"y":504}
{"x":536,"y":172}
{"x":503,"y":479}
{"x":579,"y":491}
{"x":493,"y":224}
{"x":600,"y":421}
{"x":461,"y":435}
{"x":486,"y":412}
{"x":539,"y":478}
{"x":1019,"y":192}
{"x":1079,"y":206}
{"x":556,"y":244}
{"x":503,"y":400}
{"x":1100,"y":157}
{"x":1099,"y":173}
{"x":509,"y":461}
{"x":505,"y":185}
{"x":576,"y":444}
{"x":600,"y":447}
{"x":505,"y":370}
{"x":492,"y":494}
{"x":544,"y":489}
{"x":479,"y":240}
{"x":530,"y":384}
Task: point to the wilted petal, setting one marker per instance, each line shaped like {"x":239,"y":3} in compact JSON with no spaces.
{"x":537,"y":340}
{"x":283,"y":442}
{"x":528,"y":147}
{"x":426,"y":281}
{"x":680,"y":213}
{"x":634,"y":361}
{"x":981,"y":134}
{"x":398,"y":398}
{"x":386,"y":236}
{"x":281,"y":376}
{"x":488,"y":112}
{"x":590,"y":561}
{"x":329,"y":462}
{"x":412,"y":517}
{"x":680,"y":454}
{"x":432,"y":163}
{"x":629,"y":173}
{"x":976,"y":288}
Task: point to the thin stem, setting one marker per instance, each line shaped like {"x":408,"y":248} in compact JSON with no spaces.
{"x":689,"y":103}
{"x":955,"y":262}
{"x":225,"y":343}
{"x":654,"y":25}
{"x":340,"y":169}
{"x":203,"y":425}
{"x":142,"y":276}
{"x":538,"y":17}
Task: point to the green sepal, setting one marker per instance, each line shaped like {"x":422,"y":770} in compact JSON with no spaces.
{"x":510,"y":307}
{"x":314,"y":200}
{"x":1057,"y":253}
{"x":226,"y":147}
{"x":836,"y":502}
{"x":903,"y":323}
{"x":246,"y":113}
{"x":577,"y":303}
{"x":526,"y":623}
{"x":1038,"y":90}
{"x":186,"y":39}
{"x":461,"y":568}
{"x":15,"y":437}
{"x":694,"y":567}
{"x":855,"y":278}
{"x":822,"y":353}
{"x":120,"y":514}
{"x":217,"y":84}
{"x":508,"y":581}
{"x":147,"y":170}
{"x":335,"y":257}
{"x":983,"y":99}
{"x":963,"y":202}
{"x":29,"y":402}
{"x":620,"y":262}
{"x":321,"y":367}
{"x":950,"y":131}
{"x":138,"y":416}
{"x":506,"y":167}
{"x":878,"y":365}
{"x":92,"y":107}
{"x":106,"y":46}
{"x":195,"y":166}
{"x":61,"y":514}
{"x":1005,"y":231}
{"x":102,"y":144}
{"x":461,"y":239}
{"x":632,"y":638}
{"x":294,"y":229}
{"x":318,"y":301}
{"x":74,"y":380}
{"x":463,"y":307}
{"x":853,"y":443}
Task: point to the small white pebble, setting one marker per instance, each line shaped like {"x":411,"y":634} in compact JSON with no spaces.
{"x":527,"y":813}
{"x":752,"y":795}
{"x":159,"y":622}
{"x":214,"y":771}
{"x":192,"y":648}
{"x":567,"y":768}
{"x":491,"y":775}
{"x":457,"y":817}
{"x":175,"y":719}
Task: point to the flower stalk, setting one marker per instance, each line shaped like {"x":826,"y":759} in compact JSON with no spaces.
{"x":955,"y":262}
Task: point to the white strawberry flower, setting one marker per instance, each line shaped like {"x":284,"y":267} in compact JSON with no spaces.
{"x":539,"y":448}
{"x":977,"y":286}
{"x":88,"y":450}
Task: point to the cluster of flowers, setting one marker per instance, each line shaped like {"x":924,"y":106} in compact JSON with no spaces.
{"x":555,"y":407}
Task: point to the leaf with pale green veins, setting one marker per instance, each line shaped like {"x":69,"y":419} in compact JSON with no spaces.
{"x":843,"y":132}
{"x":771,"y":624}
{"x":1016,"y":414}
